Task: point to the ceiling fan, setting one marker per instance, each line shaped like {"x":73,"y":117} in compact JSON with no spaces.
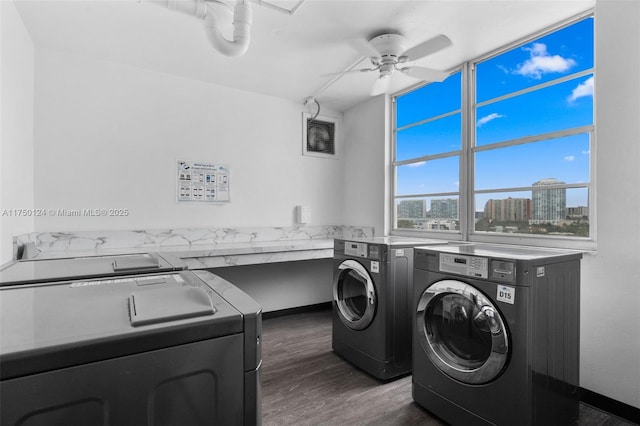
{"x":388,"y":54}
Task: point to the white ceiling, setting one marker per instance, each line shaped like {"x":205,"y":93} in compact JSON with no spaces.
{"x":288,"y":54}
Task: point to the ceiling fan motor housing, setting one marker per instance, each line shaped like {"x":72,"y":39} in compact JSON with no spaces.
{"x":389,"y":44}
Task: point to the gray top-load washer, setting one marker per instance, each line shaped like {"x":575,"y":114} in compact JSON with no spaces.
{"x":173,"y":348}
{"x":28,"y":271}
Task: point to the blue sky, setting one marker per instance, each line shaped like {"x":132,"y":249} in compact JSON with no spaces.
{"x":565,"y":105}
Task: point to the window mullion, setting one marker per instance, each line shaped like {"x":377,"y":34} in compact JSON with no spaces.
{"x":428,"y":120}
{"x":536,"y":138}
{"x":535,"y":88}
{"x":467,"y":205}
{"x":530,"y":188}
{"x":426,"y":158}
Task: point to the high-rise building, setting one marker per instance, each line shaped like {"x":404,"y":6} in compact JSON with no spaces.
{"x":579,"y":211}
{"x":508,"y":210}
{"x":549,"y":205}
{"x":446,"y":208}
{"x":412,"y":209}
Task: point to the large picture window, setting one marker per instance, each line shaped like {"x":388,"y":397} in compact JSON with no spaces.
{"x":503,"y":147}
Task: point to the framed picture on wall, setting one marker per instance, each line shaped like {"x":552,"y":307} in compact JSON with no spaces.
{"x":319,"y":136}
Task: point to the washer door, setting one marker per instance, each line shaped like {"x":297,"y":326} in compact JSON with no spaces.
{"x":354,"y":295}
{"x":462,"y":332}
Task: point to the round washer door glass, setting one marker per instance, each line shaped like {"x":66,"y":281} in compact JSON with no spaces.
{"x":462,"y":332}
{"x":354,"y":295}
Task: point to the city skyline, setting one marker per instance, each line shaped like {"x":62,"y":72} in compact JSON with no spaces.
{"x":547,"y":204}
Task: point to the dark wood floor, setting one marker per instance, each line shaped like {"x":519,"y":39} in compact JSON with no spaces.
{"x":305,"y":383}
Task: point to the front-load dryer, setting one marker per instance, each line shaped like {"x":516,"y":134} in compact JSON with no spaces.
{"x":496,"y":334}
{"x":371,"y":294}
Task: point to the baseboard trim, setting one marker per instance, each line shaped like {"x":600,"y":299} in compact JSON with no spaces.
{"x":297,"y":310}
{"x":611,"y":406}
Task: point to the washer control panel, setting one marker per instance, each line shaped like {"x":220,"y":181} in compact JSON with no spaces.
{"x":470,"y":266}
{"x":352,"y":248}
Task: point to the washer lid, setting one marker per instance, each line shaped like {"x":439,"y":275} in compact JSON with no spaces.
{"x":168,"y":304}
{"x":49,"y":326}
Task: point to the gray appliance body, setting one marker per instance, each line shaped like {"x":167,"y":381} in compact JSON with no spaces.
{"x":496,"y":334}
{"x":371,"y":303}
{"x":30,"y":271}
{"x":174,"y":348}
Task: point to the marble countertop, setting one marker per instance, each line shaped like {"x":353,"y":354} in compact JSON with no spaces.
{"x":210,"y":248}
{"x":193,"y":251}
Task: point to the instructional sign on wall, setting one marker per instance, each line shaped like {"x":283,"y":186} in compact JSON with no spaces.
{"x":199,"y":181}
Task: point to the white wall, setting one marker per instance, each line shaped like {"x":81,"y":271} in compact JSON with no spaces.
{"x":108,"y":135}
{"x":366,"y":157}
{"x":610,"y":332}
{"x":610,"y":327}
{"x":16,"y":131}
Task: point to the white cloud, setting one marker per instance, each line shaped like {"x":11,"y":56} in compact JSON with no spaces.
{"x":541,"y":62}
{"x":503,"y":69}
{"x":569,"y":158}
{"x":418,"y":164}
{"x":583,"y":89}
{"x":488,"y":118}
{"x":586,"y":152}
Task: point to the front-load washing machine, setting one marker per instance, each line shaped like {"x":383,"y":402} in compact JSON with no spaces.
{"x":371,"y":294}
{"x":496,"y":334}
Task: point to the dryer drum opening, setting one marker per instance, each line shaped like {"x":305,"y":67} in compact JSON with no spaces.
{"x":461,"y":332}
{"x":354,"y":295}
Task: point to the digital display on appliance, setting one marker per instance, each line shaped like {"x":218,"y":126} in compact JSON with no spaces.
{"x":355,"y":249}
{"x":470,"y":266}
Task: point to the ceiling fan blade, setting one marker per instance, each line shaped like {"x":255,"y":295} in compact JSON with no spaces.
{"x":354,"y":71}
{"x":426,"y":74}
{"x":380,"y":86}
{"x":428,"y":47}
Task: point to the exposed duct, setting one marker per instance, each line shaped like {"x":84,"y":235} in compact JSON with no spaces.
{"x":241,"y":27}
{"x":217,"y":16}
